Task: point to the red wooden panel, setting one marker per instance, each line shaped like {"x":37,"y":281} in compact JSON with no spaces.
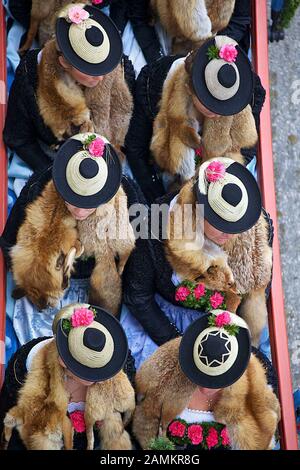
{"x":277,"y":324}
{"x":277,"y":321}
{"x":3,"y":184}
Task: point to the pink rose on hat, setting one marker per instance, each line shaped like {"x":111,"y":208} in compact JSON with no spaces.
{"x":82,"y":317}
{"x":228,"y":53}
{"x":96,"y":147}
{"x":77,"y":14}
{"x":215,"y":171}
{"x":223,"y":319}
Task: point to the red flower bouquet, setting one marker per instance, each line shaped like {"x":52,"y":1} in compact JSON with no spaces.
{"x":195,"y":295}
{"x":203,"y":436}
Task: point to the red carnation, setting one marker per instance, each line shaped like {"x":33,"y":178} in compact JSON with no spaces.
{"x":199,"y":291}
{"x":182,"y":293}
{"x":77,"y":420}
{"x":195,"y":434}
{"x":177,"y":429}
{"x":212,"y":439}
{"x":225,"y":437}
{"x":216,"y":300}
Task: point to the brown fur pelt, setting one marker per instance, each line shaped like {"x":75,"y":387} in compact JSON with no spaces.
{"x":42,"y":21}
{"x":196,"y":258}
{"x":248,"y":408}
{"x":108,"y":235}
{"x":41,"y":411}
{"x":176,"y":129}
{"x":47,"y":244}
{"x":68,"y":108}
{"x":243,"y":265}
{"x":250,"y":258}
{"x":190,"y":22}
{"x":42,"y":18}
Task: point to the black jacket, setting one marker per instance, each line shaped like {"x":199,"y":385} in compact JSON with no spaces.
{"x":147,"y":273}
{"x":15,"y":377}
{"x":29,"y":193}
{"x":148,"y":92}
{"x":25,"y":131}
{"x":138,"y":13}
{"x":240,"y":23}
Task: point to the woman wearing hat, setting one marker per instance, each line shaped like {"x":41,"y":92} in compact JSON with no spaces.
{"x":206,"y":390}
{"x":80,"y":205}
{"x":189,"y":109}
{"x":74,"y":84}
{"x":80,"y":373}
{"x":199,"y":260}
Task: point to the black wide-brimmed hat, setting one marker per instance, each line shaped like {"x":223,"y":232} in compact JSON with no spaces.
{"x":87,"y":171}
{"x":230,"y":195}
{"x":90,"y":341}
{"x":88,"y":39}
{"x":213,"y":356}
{"x":223,"y":85}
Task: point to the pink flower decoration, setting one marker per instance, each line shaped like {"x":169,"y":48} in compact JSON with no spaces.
{"x":199,"y":291}
{"x":225,"y":437}
{"x":195,"y":434}
{"x":77,"y":14}
{"x":228,"y":53}
{"x":77,"y":420}
{"x":96,"y":147}
{"x":82,"y":317}
{"x":182,"y":293}
{"x":212,"y":438}
{"x":177,"y":429}
{"x":216,"y":300}
{"x":215,"y":171}
{"x":96,"y":2}
{"x":223,"y":319}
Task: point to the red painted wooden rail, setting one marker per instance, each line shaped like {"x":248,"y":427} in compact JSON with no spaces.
{"x":277,"y":321}
{"x":3,"y":185}
{"x":278,"y":333}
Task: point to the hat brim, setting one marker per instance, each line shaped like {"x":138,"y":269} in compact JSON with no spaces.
{"x":198,"y":377}
{"x":244,"y":94}
{"x":114,"y":167}
{"x":253,"y":211}
{"x":102,"y":373}
{"x":116,"y":49}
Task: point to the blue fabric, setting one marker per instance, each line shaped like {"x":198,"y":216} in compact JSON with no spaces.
{"x":11,"y":200}
{"x":11,"y":341}
{"x":252,"y":167}
{"x":264,"y":344}
{"x":10,"y":302}
{"x":30,"y":323}
{"x":140,"y":344}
